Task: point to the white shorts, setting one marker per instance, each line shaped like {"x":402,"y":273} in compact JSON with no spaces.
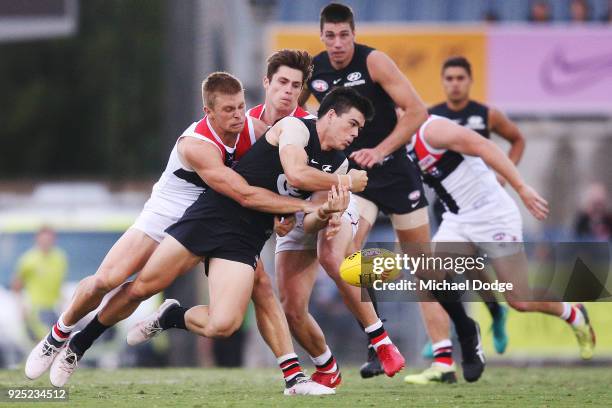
{"x":157,"y":215}
{"x":298,"y":240}
{"x":492,"y":235}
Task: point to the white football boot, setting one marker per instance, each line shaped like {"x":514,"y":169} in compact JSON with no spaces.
{"x":40,"y":359}
{"x":63,"y":367}
{"x":305,"y":386}
{"x":149,"y":327}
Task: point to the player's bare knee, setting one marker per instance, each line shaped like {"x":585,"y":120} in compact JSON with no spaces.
{"x":223,"y":327}
{"x":331,"y":264}
{"x":139,"y":292}
{"x":295,"y":314}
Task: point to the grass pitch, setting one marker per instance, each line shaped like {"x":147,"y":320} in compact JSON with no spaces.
{"x":499,"y":387}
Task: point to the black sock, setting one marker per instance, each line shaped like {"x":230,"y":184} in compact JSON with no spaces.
{"x":83,"y":340}
{"x":494,"y":309}
{"x":464,"y":326}
{"x":173,"y":318}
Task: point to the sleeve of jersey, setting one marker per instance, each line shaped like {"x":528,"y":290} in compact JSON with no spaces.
{"x":293,"y":132}
{"x":343,"y":168}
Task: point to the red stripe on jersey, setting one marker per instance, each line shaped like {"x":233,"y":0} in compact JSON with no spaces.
{"x":425,"y":157}
{"x":256,"y":111}
{"x":202,"y":129}
{"x":244,"y":140}
{"x":301,"y":113}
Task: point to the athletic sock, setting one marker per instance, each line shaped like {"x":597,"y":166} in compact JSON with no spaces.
{"x":291,"y":368}
{"x":59,"y":333}
{"x":443,"y":353}
{"x":572,"y":315}
{"x":464,"y":326}
{"x":326,"y":362}
{"x":82,"y":341}
{"x":377,"y":334}
{"x":173,"y":318}
{"x":494,"y":309}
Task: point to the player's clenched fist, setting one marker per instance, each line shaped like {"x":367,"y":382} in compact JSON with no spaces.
{"x":358,"y":180}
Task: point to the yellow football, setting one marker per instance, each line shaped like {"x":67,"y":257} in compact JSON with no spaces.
{"x":364,"y":267}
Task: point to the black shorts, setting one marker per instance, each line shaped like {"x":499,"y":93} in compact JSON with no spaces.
{"x":222,"y":229}
{"x":395,"y":186}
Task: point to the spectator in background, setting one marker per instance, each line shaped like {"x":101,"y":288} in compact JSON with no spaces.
{"x":39,"y":274}
{"x":594,"y":221}
{"x":539,"y":12}
{"x":490,"y":17}
{"x":579,"y":11}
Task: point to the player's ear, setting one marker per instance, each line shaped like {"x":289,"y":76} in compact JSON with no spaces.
{"x":266,"y":82}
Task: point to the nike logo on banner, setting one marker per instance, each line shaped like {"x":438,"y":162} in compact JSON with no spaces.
{"x":562,"y":75}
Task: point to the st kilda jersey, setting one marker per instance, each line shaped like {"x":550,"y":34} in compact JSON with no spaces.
{"x":463,"y":183}
{"x":258,"y":110}
{"x":179,"y":185}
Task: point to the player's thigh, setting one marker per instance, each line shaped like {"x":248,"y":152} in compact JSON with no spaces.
{"x":368,"y":212}
{"x":296,"y":272}
{"x":412,"y":227}
{"x":127,"y":256}
{"x":230,"y":285}
{"x":167,"y":262}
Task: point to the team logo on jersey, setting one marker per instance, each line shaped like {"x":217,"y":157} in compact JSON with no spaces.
{"x":286,"y":189}
{"x":353,"y":76}
{"x":414,"y":195}
{"x":319,"y":85}
{"x":327,"y":168}
{"x":427,"y":162}
{"x":475,"y":122}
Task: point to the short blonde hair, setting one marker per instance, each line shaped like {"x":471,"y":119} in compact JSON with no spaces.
{"x":219,"y":82}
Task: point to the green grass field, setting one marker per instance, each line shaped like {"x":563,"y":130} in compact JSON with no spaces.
{"x":500,"y":387}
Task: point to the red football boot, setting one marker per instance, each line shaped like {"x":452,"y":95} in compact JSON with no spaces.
{"x":391,"y":359}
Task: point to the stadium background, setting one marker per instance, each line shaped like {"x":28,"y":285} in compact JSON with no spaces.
{"x":94,"y":94}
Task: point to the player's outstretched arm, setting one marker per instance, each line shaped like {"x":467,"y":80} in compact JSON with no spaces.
{"x":444,"y":134}
{"x":383,"y":71}
{"x":205,"y":159}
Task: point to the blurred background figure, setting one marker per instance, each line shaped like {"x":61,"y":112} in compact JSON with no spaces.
{"x":539,"y":12}
{"x":594,"y":220}
{"x":490,"y":16}
{"x":579,"y":11}
{"x":38,"y":280}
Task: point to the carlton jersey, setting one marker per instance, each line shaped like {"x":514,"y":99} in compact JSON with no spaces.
{"x":217,"y":226}
{"x":474,"y":116}
{"x":356,"y":75}
{"x":179,"y":185}
{"x":463,"y":183}
{"x":257,"y":112}
{"x":394,"y":186}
